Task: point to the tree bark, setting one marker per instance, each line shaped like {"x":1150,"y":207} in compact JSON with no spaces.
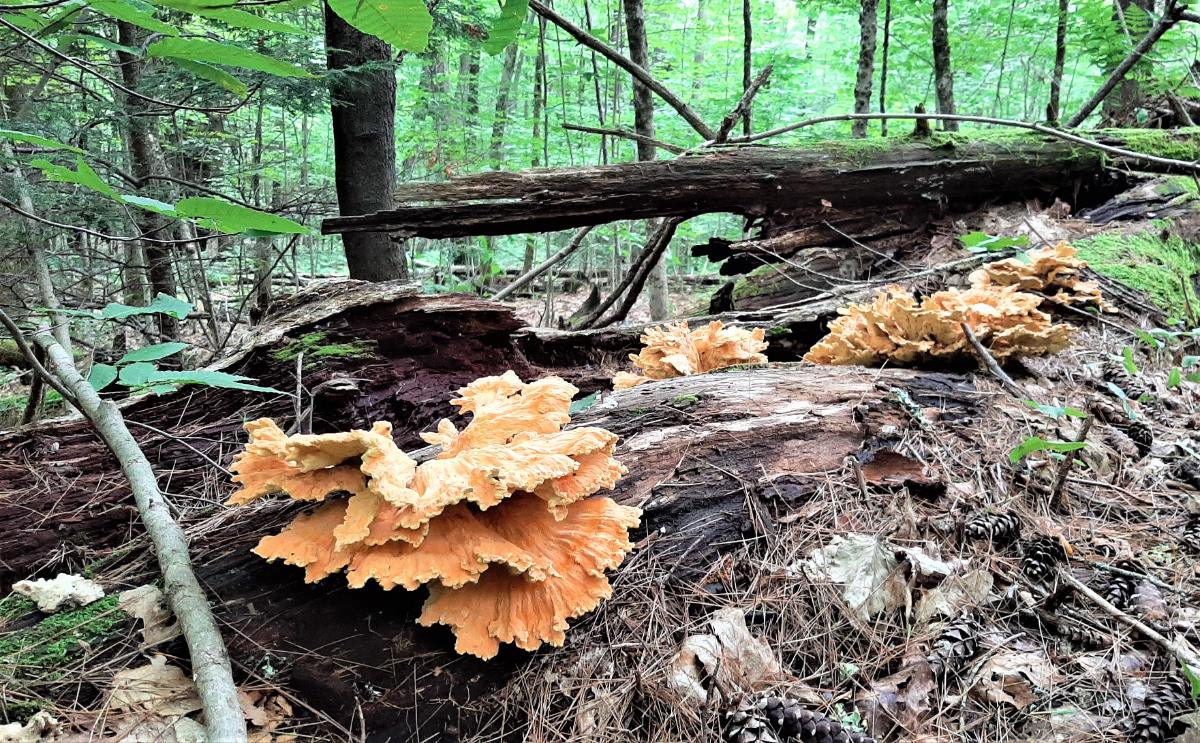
{"x":744,"y":180}
{"x":943,"y":72}
{"x":363,"y":108}
{"x":512,"y":58}
{"x":867,"y":26}
{"x":643,"y":119}
{"x":144,"y":161}
{"x":1054,"y":109}
{"x":883,"y":72}
{"x":748,"y":58}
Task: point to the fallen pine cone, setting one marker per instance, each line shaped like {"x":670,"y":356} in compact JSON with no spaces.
{"x":784,"y":719}
{"x":957,"y":643}
{"x":1041,"y":557}
{"x":1152,"y":723}
{"x":1114,"y":372}
{"x":1191,"y":533}
{"x":1118,"y":589}
{"x":999,"y":528}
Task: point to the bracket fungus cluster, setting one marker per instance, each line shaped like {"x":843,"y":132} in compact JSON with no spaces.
{"x":498,"y":526}
{"x":675,"y":351}
{"x":999,"y":306}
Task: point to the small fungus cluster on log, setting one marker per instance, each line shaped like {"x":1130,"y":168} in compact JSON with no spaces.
{"x":675,"y":351}
{"x":498,"y":526}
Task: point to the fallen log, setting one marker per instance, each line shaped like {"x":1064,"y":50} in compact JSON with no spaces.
{"x":957,"y":171}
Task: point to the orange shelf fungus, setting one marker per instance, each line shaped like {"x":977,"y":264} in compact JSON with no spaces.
{"x":1051,"y":268}
{"x":675,"y":351}
{"x":499,"y":526}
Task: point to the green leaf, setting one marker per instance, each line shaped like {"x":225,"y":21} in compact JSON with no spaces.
{"x":153,"y":353}
{"x":214,"y":75}
{"x":1036,"y":444}
{"x":1193,"y":377}
{"x":981,"y":242}
{"x":1148,"y":339}
{"x":214,"y":52}
{"x":83,"y":175}
{"x":506,"y":27}
{"x":1175,"y":378}
{"x":144,"y":374}
{"x":226,"y":216}
{"x":130,"y":13}
{"x":584,"y":403}
{"x":101,"y":42}
{"x":50,"y":144}
{"x":1127,"y":360}
{"x":1056,"y":411}
{"x":405,"y":24}
{"x":101,"y":376}
{"x":150,"y":205}
{"x":1193,"y":679}
{"x":137,"y":375}
{"x":163,"y":304}
{"x":1190,"y":361}
{"x":230,"y":16}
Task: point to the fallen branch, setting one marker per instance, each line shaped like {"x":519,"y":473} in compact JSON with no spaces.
{"x":1171,"y":15}
{"x":1183,"y":165}
{"x":990,"y":362}
{"x":674,"y":149}
{"x":1064,"y":467}
{"x":638,"y":264}
{"x":538,"y":270}
{"x":1181,"y":651}
{"x":620,"y":60}
{"x":653,"y":252}
{"x":743,"y":106}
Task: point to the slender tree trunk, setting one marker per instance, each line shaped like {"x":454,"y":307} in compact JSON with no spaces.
{"x":1054,"y":109}
{"x":539,"y":136}
{"x":883,"y":72}
{"x":810,"y":34}
{"x":643,"y":118}
{"x":747,"y":58}
{"x":512,"y":59}
{"x":698,"y":71}
{"x":1012,"y":11}
{"x":942,"y":71}
{"x":868,"y":22}
{"x":144,"y":161}
{"x":363,"y":107}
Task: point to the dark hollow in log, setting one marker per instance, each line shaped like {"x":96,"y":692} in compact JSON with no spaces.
{"x":752,"y":181}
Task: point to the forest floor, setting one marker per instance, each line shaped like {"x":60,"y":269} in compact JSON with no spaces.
{"x":749,"y":481}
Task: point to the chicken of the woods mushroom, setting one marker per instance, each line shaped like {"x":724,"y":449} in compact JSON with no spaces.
{"x":499,"y":526}
{"x":675,"y":351}
{"x":1000,"y":306}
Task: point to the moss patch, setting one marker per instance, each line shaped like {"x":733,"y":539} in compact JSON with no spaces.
{"x":15,"y":606}
{"x":317,"y":346}
{"x":1164,"y":269}
{"x":1177,"y":144}
{"x":59,"y":638}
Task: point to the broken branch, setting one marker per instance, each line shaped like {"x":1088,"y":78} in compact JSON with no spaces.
{"x":990,"y":362}
{"x":541,"y":268}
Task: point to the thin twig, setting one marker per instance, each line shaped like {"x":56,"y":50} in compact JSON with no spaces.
{"x":742,"y":107}
{"x":538,"y":270}
{"x":674,"y":149}
{"x":1136,"y":575}
{"x":1185,"y":654}
{"x":1184,"y":165}
{"x":1057,"y":501}
{"x":990,"y":362}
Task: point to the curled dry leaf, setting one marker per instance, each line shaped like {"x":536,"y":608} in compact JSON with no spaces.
{"x":727,"y":662}
{"x":148,"y":604}
{"x":675,"y":351}
{"x":41,"y":728}
{"x":63,"y":591}
{"x":902,"y":698}
{"x":954,"y":594}
{"x":498,"y":525}
{"x":1015,"y":678}
{"x":156,"y":687}
{"x":866,"y":567}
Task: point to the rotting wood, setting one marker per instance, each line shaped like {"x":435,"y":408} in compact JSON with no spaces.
{"x":955,"y":172}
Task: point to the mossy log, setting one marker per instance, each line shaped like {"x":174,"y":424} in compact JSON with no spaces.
{"x":756,"y":181}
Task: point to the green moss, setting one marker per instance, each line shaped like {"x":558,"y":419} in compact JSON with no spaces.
{"x":59,"y":638}
{"x":15,"y":606}
{"x":1165,"y":269}
{"x":316,"y":346}
{"x":684,"y":401}
{"x":1177,"y":144}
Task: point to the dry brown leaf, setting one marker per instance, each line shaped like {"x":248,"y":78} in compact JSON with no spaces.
{"x":1015,"y":678}
{"x":677,"y":351}
{"x":953,"y":594}
{"x":865,"y":565}
{"x":902,"y":698}
{"x":156,"y":687}
{"x":148,"y":604}
{"x":165,"y":730}
{"x":41,"y":728}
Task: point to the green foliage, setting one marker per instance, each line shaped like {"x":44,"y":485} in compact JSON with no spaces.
{"x":226,"y":216}
{"x":83,"y":175}
{"x":147,"y":377}
{"x":981,"y":242}
{"x":162,"y":304}
{"x":1056,"y":411}
{"x":60,"y":638}
{"x":213,"y":75}
{"x":1164,"y":269}
{"x":1036,"y":443}
{"x":405,"y":24}
{"x":504,"y":31}
{"x":130,"y":13}
{"x":316,"y":345}
{"x":215,"y":52}
{"x":51,"y":144}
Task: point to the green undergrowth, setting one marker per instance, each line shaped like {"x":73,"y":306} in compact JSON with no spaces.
{"x":316,"y":345}
{"x":1166,"y":269}
{"x":41,"y":651}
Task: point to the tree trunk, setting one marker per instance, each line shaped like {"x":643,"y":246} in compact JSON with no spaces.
{"x":883,"y":72}
{"x":643,"y":119}
{"x":144,"y":161}
{"x":363,"y":108}
{"x":867,"y":25}
{"x":748,"y":181}
{"x":747,"y":58}
{"x":512,"y":58}
{"x":1054,"y":109}
{"x":810,"y":34}
{"x":942,"y":71}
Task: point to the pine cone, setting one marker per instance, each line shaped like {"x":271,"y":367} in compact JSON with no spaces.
{"x":1188,"y":472}
{"x":790,"y":722}
{"x":1141,"y":434}
{"x":1118,"y":590}
{"x":748,"y":725}
{"x":957,"y":643}
{"x":1041,"y":557}
{"x":1191,"y":533}
{"x":999,"y":528}
{"x":1069,"y":626}
{"x":1114,"y":371}
{"x":1152,"y":723}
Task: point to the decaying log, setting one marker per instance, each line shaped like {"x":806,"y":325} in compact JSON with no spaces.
{"x":745,"y":180}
